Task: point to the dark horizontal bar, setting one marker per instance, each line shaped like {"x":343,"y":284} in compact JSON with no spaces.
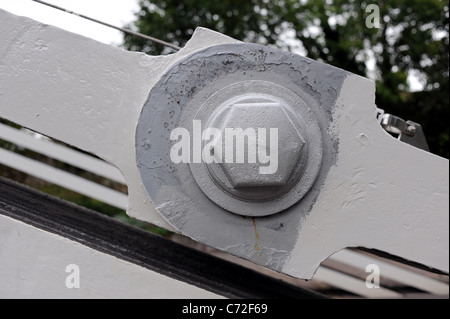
{"x":140,"y":247}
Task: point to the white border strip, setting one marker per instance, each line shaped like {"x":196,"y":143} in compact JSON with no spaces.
{"x":61,"y":153}
{"x":390,"y":271}
{"x":352,"y":284}
{"x":63,"y":179}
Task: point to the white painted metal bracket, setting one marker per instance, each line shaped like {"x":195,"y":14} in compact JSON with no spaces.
{"x":379,"y":193}
{"x":43,"y":270}
{"x":84,"y":93}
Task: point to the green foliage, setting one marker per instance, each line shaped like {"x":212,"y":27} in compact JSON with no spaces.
{"x":413,"y":36}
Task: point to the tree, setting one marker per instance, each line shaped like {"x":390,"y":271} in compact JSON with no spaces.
{"x":412,"y":38}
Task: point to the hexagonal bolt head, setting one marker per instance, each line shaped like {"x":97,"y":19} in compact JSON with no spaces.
{"x":268,"y":160}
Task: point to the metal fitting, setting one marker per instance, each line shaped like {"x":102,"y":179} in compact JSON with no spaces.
{"x":263,"y":149}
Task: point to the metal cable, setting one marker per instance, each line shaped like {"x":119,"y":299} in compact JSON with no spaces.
{"x":127,"y":31}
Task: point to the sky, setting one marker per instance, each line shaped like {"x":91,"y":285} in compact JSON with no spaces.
{"x":117,"y":13}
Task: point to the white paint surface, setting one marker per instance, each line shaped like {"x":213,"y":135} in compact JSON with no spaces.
{"x":83,"y":93}
{"x":61,"y":153}
{"x":63,"y":179}
{"x":381,"y":193}
{"x":33,"y":265}
{"x":392,"y":272}
{"x":352,"y":284}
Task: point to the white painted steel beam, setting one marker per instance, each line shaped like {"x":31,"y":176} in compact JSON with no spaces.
{"x":392,"y":272}
{"x":96,"y":166}
{"x":61,"y":153}
{"x":379,"y":193}
{"x":84,"y":93}
{"x":352,"y":284}
{"x":34,"y":264}
{"x":63,"y":179}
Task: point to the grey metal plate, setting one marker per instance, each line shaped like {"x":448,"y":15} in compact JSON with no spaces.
{"x":172,"y":187}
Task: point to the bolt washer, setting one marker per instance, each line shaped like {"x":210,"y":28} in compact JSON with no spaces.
{"x":305,"y":164}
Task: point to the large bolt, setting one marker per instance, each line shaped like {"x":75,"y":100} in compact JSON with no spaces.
{"x":265,"y":143}
{"x":263,"y":148}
